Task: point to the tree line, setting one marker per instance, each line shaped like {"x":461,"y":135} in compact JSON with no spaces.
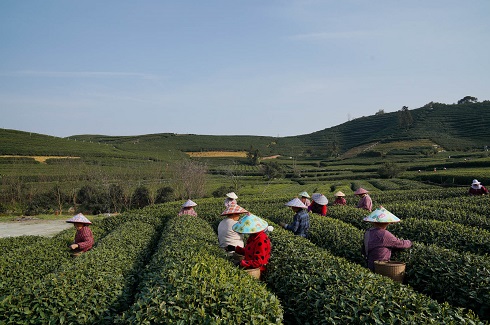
{"x":100,"y":192}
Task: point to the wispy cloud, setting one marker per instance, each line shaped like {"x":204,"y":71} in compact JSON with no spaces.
{"x":330,"y":35}
{"x":80,"y":74}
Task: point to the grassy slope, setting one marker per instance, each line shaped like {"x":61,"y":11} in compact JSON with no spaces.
{"x":26,"y":143}
{"x":454,"y":127}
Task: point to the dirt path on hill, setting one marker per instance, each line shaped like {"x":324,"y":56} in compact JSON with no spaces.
{"x":46,"y":228}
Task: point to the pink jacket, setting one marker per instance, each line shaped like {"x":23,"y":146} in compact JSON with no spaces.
{"x":365,"y":203}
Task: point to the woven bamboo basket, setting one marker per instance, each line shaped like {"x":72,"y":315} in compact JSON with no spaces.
{"x":392,"y":269}
{"x":254,"y":272}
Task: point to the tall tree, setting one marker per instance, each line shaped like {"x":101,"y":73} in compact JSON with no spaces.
{"x":405,"y":119}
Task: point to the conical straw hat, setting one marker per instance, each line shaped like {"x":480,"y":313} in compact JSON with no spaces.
{"x":360,"y":191}
{"x":189,"y":203}
{"x":319,"y":198}
{"x":339,"y":194}
{"x":233,"y":209}
{"x":79,"y":218}
{"x":381,"y":215}
{"x":232,"y":195}
{"x":304,"y":194}
{"x":296,"y":203}
{"x":250,"y":224}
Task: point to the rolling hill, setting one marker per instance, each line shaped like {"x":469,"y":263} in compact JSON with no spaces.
{"x":453,"y":127}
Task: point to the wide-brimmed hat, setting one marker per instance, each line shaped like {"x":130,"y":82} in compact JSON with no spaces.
{"x":79,"y":218}
{"x":319,"y":198}
{"x":296,"y":203}
{"x":381,"y":215}
{"x":475,"y":182}
{"x":360,"y":191}
{"x":189,"y":203}
{"x":233,"y":209}
{"x":229,"y":201}
{"x":339,"y":194}
{"x":304,"y":194}
{"x":232,"y":195}
{"x":250,"y":224}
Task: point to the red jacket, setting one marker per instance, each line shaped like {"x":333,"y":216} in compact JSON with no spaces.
{"x":340,"y":201}
{"x":257,"y":251}
{"x":481,"y":191}
{"x":318,"y":209}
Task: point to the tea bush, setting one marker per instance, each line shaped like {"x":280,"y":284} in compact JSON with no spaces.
{"x":316,"y":287}
{"x":189,"y":281}
{"x":89,"y":289}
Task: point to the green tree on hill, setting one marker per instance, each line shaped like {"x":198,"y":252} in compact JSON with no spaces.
{"x":405,"y":119}
{"x":468,"y":99}
{"x":253,"y":156}
{"x":272,"y":170}
{"x":390,"y":170}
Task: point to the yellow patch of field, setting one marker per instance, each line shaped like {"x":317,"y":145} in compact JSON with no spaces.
{"x":217,"y":154}
{"x":41,"y":159}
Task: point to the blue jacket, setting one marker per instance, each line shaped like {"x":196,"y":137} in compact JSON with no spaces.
{"x":301,"y":223}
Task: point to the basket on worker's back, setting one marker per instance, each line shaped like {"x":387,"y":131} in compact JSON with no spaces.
{"x":392,"y":269}
{"x":254,"y":272}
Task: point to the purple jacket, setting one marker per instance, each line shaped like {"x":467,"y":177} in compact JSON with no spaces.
{"x":379,"y":242}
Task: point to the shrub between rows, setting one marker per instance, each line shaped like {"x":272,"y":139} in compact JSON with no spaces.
{"x":316,"y":287}
{"x":189,"y":281}
{"x":9,"y":244}
{"x":89,"y":289}
{"x":462,"y":279}
{"x":418,"y":195}
{"x":454,"y":214}
{"x":467,"y":203}
{"x":27,"y":258}
{"x":35,"y":259}
{"x":445,"y":234}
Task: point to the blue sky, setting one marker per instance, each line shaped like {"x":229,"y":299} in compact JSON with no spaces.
{"x":275,"y":68}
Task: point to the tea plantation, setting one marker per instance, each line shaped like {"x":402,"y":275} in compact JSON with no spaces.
{"x":149,"y":267}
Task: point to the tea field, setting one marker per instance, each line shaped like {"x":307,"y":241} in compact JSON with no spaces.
{"x":149,"y":266}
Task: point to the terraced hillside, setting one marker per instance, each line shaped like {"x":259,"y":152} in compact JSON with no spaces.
{"x":454,"y":127}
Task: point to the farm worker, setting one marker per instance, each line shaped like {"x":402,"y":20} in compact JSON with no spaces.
{"x":226,"y":235}
{"x":230,"y":198}
{"x":303,"y":196}
{"x":477,"y":189}
{"x":301,"y":219}
{"x":84,"y":240}
{"x":188,"y":208}
{"x":339,"y":198}
{"x":365,"y":202}
{"x":378,"y":242}
{"x":257,"y":251}
{"x":318,"y":204}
